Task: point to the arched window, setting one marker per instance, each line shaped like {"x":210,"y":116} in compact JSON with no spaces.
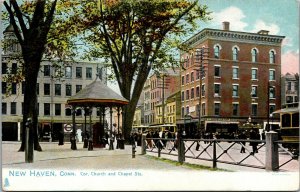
{"x":272,"y":56}
{"x":235,"y":54}
{"x":217,"y":51}
{"x":254,"y":55}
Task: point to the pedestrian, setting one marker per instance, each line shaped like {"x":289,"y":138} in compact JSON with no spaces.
{"x":243,"y":143}
{"x":253,"y":136}
{"x":61,"y":137}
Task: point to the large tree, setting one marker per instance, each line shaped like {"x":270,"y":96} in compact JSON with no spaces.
{"x":136,"y":36}
{"x":31,"y":32}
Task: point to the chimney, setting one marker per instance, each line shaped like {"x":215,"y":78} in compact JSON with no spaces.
{"x":226,"y":26}
{"x":263,"y":32}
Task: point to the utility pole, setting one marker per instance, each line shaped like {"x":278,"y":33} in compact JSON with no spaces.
{"x":200,"y":59}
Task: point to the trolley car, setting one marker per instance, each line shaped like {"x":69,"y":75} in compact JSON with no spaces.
{"x":289,"y":126}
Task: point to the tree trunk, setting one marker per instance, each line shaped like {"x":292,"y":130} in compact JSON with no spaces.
{"x":30,"y":108}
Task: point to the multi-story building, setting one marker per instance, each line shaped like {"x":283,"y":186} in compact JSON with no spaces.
{"x":290,"y":88}
{"x":241,"y":70}
{"x":161,"y":86}
{"x":147,"y":102}
{"x":53,"y":93}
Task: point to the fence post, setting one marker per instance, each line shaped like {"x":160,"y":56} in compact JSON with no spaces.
{"x":272,"y":156}
{"x":214,"y":154}
{"x":143,"y":147}
{"x":29,"y":142}
{"x":181,"y":157}
{"x":158,"y":144}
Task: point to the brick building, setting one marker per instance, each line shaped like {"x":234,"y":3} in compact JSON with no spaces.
{"x":240,"y":68}
{"x":154,"y":94}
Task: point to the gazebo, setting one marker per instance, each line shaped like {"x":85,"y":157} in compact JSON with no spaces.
{"x":96,"y":94}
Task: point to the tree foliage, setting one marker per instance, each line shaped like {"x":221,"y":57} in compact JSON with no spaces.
{"x":136,"y":36}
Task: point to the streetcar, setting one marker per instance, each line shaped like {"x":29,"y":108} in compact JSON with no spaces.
{"x":289,"y":126}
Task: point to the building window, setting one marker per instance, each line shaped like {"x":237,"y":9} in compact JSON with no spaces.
{"x":4,"y":68}
{"x":3,"y":87}
{"x":78,"y":72}
{"x":289,"y":99}
{"x":46,"y":70}
{"x":182,"y":80}
{"x":192,"y":93}
{"x":254,"y":91}
{"x":182,"y":112}
{"x":187,"y":94}
{"x":272,"y":75}
{"x":202,"y":90}
{"x":187,"y":78}
{"x":192,"y":77}
{"x":37,"y":89}
{"x":235,"y":54}
{"x":187,"y":109}
{"x":289,"y":87}
{"x":254,"y":109}
{"x":14,"y":88}
{"x":235,"y":90}
{"x":217,"y":51}
{"x":296,"y":99}
{"x":46,"y":89}
{"x":68,"y":112}
{"x":272,"y":56}
{"x":46,"y":109}
{"x":197,"y":91}
{"x":254,"y":55}
{"x":235,"y":73}
{"x":217,"y":108}
{"x":68,"y":72}
{"x":198,"y":75}
{"x":88,"y":73}
{"x":13,"y":108}
{"x":4,"y":108}
{"x":254,"y":74}
{"x":235,"y":109}
{"x":203,"y":109}
{"x":58,"y":89}
{"x":57,"y":110}
{"x":78,"y":88}
{"x":217,"y":71}
{"x":217,"y":89}
{"x":272,"y":92}
{"x":14,"y":68}
{"x":272,"y":108}
{"x":68,"y":90}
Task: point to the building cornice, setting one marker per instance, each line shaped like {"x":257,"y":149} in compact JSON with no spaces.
{"x":235,"y":36}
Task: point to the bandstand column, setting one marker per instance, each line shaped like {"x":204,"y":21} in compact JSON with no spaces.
{"x":85,"y":140}
{"x":73,"y":136}
{"x":90,"y":147}
{"x":111,"y":144}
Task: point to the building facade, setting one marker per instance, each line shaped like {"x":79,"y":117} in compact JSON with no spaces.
{"x":161,"y":87}
{"x":53,"y":92}
{"x":229,"y":76}
{"x":290,"y":88}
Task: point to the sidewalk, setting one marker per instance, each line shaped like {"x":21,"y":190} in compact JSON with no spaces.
{"x":60,"y":168}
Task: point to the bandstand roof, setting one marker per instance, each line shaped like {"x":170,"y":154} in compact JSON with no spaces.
{"x":97,"y":94}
